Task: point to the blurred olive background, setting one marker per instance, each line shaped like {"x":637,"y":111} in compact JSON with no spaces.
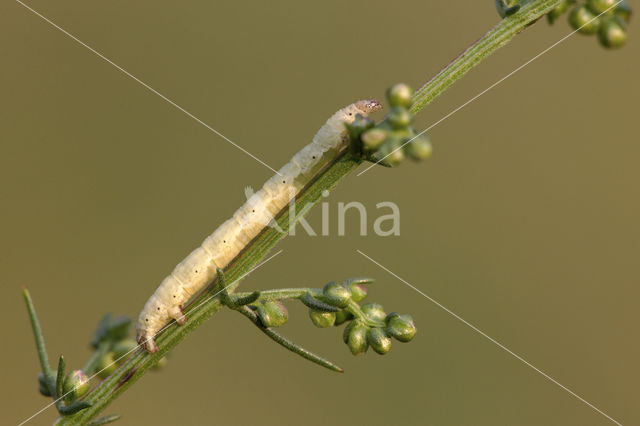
{"x":524,"y":222}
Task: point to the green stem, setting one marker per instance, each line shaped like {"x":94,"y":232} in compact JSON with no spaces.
{"x":205,"y":306}
{"x":498,"y":36}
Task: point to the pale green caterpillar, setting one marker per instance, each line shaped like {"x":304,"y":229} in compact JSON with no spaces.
{"x":226,"y":242}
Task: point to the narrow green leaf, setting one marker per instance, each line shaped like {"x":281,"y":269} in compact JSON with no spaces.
{"x":39,"y":338}
{"x":318,"y":305}
{"x":104,"y":420}
{"x":74,"y":408}
{"x":288,"y":344}
{"x":60,"y":377}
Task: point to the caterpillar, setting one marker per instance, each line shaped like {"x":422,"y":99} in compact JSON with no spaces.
{"x":199,"y":268}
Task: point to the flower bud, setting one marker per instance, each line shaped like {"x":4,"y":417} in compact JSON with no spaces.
{"x":399,"y":95}
{"x":357,"y":338}
{"x":162,"y":362}
{"x":612,"y":32}
{"x":507,"y":7}
{"x":342,"y":317}
{"x":401,"y":327}
{"x":322,"y":319}
{"x":601,"y":6}
{"x":336,"y":295}
{"x":123,"y":349}
{"x":358,"y":292}
{"x":379,"y":341}
{"x":419,"y":149}
{"x":42,"y":384}
{"x":272,"y":314}
{"x":358,"y":126}
{"x":374,"y":311}
{"x":75,"y":385}
{"x":373,"y":138}
{"x":106,"y":365}
{"x":583,"y":20}
{"x":558,"y":11}
{"x":623,"y":10}
{"x":390,"y":153}
{"x":399,"y":117}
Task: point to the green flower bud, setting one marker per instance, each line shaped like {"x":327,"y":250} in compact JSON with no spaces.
{"x":357,"y":338}
{"x":399,"y":117}
{"x":419,"y":149}
{"x":342,"y":317}
{"x":401,"y":327}
{"x":336,"y":295}
{"x":322,"y":319}
{"x":75,"y":385}
{"x":106,"y":365}
{"x":358,"y":126}
{"x":583,"y":20}
{"x":390,"y":153}
{"x":399,"y":95}
{"x":623,"y":10}
{"x":612,"y":32}
{"x":559,"y":10}
{"x":374,"y":311}
{"x":347,"y":331}
{"x":507,"y":7}
{"x":162,"y":362}
{"x":358,"y":292}
{"x":373,"y":138}
{"x":42,"y":384}
{"x":379,"y":341}
{"x":123,"y":349}
{"x":272,"y":314}
{"x":600,"y":6}
{"x":111,"y":329}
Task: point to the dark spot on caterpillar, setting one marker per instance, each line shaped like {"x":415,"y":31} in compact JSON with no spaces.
{"x":196,"y":271}
{"x":350,"y":113}
{"x":314,"y":157}
{"x":282,"y":181}
{"x":146,"y":319}
{"x":224,"y":241}
{"x":254,"y":210}
{"x":158,"y":307}
{"x":174,"y":296}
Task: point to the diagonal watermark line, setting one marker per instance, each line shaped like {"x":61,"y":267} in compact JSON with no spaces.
{"x":145,"y":85}
{"x":488,"y":88}
{"x":491,"y":339}
{"x":159,"y":331}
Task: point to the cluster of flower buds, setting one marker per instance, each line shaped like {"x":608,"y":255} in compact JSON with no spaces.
{"x":607,"y":18}
{"x":369,"y":325}
{"x":377,"y":329}
{"x":393,"y":138}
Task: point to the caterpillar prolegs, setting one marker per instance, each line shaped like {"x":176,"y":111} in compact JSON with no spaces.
{"x":226,"y":242}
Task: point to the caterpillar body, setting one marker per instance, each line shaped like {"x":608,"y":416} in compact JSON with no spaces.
{"x":226,"y":242}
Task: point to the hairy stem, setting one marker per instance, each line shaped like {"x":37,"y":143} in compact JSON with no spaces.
{"x":47,"y":372}
{"x":498,"y":36}
{"x":206,"y":306}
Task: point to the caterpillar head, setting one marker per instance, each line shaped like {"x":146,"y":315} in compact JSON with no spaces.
{"x":368,"y":106}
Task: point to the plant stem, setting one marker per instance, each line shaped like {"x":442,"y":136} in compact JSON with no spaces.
{"x":206,"y":306}
{"x":498,"y":36}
